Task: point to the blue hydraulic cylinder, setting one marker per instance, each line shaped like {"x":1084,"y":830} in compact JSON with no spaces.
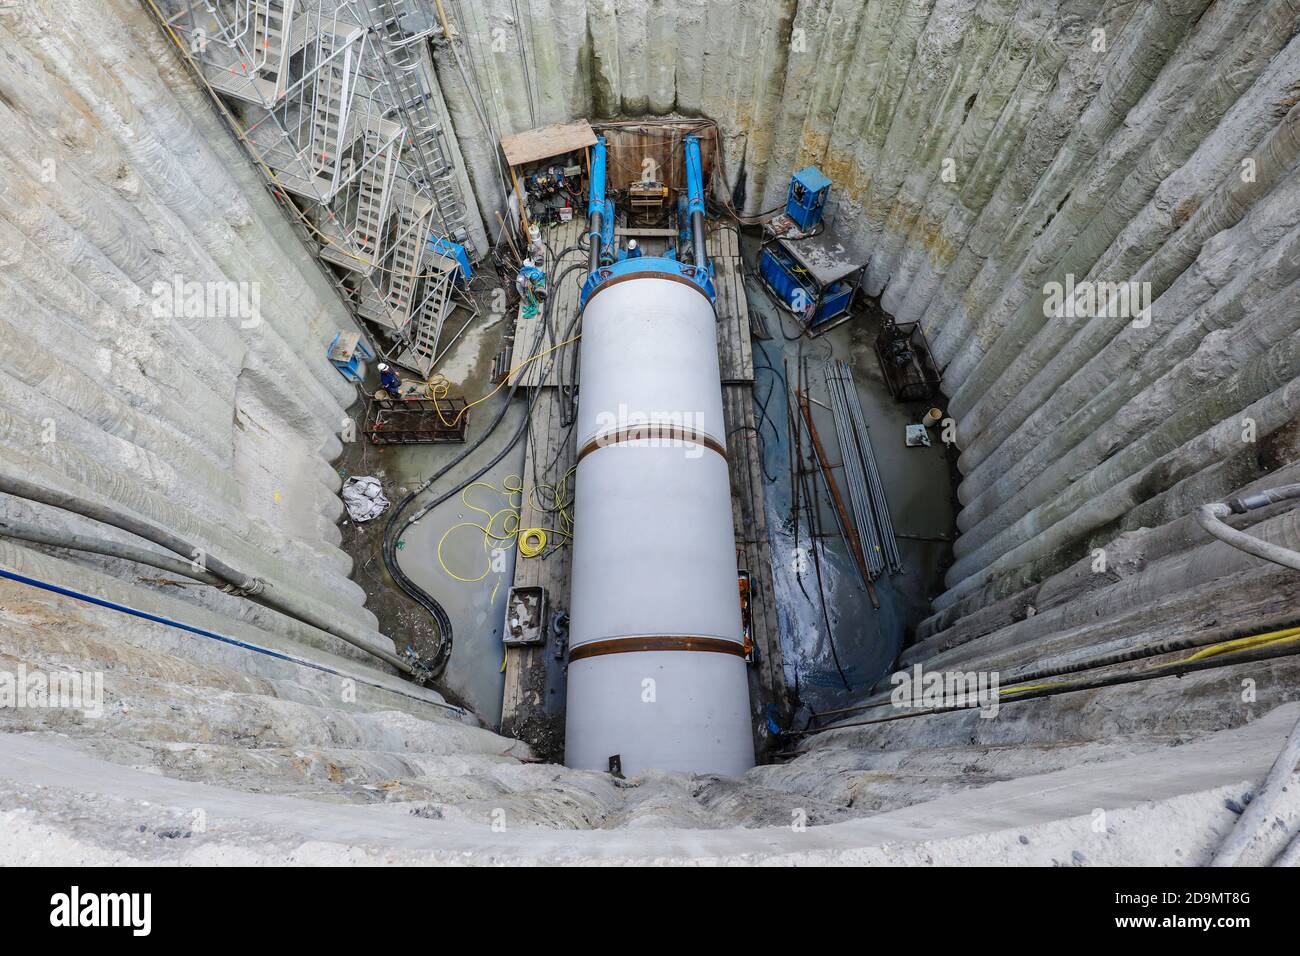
{"x":596,"y":191}
{"x":598,"y":209}
{"x":608,"y":250}
{"x":694,"y":177}
{"x":695,"y":199}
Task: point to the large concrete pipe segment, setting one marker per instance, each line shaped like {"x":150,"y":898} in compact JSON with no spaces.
{"x":657,"y":676}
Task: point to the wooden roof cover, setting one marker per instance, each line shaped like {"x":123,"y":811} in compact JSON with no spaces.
{"x":547,"y":141}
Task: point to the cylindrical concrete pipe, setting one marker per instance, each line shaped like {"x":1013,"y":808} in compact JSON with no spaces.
{"x":657,"y":675}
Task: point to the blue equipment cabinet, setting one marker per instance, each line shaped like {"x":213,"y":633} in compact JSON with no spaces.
{"x":813,"y":272}
{"x":347,"y":351}
{"x":802,"y":291}
{"x":809,"y":190}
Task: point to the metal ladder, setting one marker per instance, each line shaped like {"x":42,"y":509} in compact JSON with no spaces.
{"x":405,"y":262}
{"x":426,"y":330}
{"x":272,"y":20}
{"x":373,"y":194}
{"x":410,"y":96}
{"x":345,"y":117}
{"x":330,"y":100}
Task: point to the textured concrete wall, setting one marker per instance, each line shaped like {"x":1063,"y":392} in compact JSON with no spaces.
{"x":116,"y":175}
{"x":981,"y":150}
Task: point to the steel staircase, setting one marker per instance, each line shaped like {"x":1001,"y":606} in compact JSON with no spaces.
{"x":409,"y":92}
{"x":338,"y":104}
{"x":421,"y":352}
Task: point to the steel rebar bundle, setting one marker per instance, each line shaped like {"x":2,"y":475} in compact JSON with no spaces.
{"x":861,"y":474}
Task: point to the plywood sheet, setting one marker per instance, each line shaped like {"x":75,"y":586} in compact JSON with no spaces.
{"x":533,"y":145}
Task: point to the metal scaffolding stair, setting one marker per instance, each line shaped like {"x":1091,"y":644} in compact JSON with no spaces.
{"x":410,"y":92}
{"x":246,"y":46}
{"x":405,"y":261}
{"x":335,"y":83}
{"x":340,"y":109}
{"x":425,"y":332}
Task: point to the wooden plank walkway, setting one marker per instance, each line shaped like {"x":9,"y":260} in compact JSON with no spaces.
{"x":532,"y":707}
{"x":533,"y":703}
{"x":546,"y":371}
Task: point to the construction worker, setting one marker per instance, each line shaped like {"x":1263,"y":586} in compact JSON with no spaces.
{"x":389,"y":380}
{"x":633,"y":250}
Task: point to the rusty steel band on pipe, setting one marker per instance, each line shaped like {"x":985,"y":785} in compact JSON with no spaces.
{"x":650,"y":431}
{"x":632,"y":645}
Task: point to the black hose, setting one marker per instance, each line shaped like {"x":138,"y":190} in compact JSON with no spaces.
{"x":254,"y":588}
{"x":392,"y":533}
{"x":22,"y":531}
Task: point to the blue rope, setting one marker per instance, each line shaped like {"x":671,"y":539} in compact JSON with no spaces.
{"x":233,"y":642}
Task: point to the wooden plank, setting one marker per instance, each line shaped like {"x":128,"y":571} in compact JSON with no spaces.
{"x":767,"y":677}
{"x":723,"y":327}
{"x":735,"y":350}
{"x":646,"y":232}
{"x":546,"y":141}
{"x":567,"y":293}
{"x":745,"y":369}
{"x":532,"y":705}
{"x":520,"y":660}
{"x":633,"y":142}
{"x":545,"y":371}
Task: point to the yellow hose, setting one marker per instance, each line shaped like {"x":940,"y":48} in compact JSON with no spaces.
{"x":1241,"y":643}
{"x":501,"y":525}
{"x":1269,"y":638}
{"x":532,"y":542}
{"x":437,"y":387}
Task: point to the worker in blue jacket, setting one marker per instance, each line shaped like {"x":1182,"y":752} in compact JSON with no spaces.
{"x":389,"y":380}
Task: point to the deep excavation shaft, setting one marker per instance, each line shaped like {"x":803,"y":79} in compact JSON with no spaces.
{"x":522,"y":432}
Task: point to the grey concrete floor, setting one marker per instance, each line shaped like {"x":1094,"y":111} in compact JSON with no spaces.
{"x":919,"y":483}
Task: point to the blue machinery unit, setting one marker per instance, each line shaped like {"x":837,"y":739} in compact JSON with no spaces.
{"x":348,"y":352}
{"x":689,"y":261}
{"x":804,"y":263}
{"x":454,"y":251}
{"x":809,"y":190}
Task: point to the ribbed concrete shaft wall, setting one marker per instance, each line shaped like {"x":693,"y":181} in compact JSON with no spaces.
{"x":116,"y":175}
{"x":1103,"y":139}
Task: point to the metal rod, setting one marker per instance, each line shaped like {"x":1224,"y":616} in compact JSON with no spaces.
{"x":860,"y":462}
{"x":855,"y":545}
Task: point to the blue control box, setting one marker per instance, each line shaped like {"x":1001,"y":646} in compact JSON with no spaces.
{"x":796,"y":289}
{"x":809,"y":190}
